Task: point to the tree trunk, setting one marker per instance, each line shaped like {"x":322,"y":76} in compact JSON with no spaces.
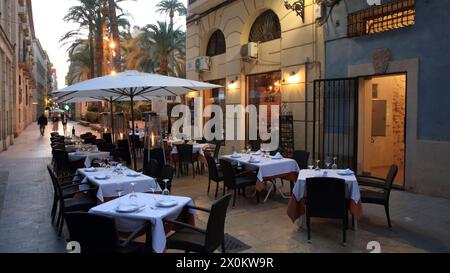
{"x":116,"y":37}
{"x":91,"y":53}
{"x":99,"y":46}
{"x":163,"y":66}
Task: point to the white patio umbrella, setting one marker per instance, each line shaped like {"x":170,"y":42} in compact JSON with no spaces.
{"x":57,"y":111}
{"x":135,"y":86}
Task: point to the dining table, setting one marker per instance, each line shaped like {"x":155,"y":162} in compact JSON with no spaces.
{"x":88,"y":156}
{"x":111,"y":182}
{"x":297,"y":207}
{"x":268,"y":169}
{"x":150,"y":208}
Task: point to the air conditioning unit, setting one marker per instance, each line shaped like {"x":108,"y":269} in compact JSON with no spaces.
{"x":249,"y":51}
{"x":203,"y":63}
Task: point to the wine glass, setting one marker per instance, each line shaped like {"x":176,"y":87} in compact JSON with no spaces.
{"x":249,"y":148}
{"x":119,"y":190}
{"x":334,"y":166}
{"x":166,"y":190}
{"x":133,"y":195}
{"x":328,"y":162}
{"x":310,"y":163}
{"x":317,"y":165}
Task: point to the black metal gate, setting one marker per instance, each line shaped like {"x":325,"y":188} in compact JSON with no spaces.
{"x":335,"y":132}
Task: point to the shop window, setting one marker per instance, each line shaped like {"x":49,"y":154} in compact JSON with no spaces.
{"x":266,"y":28}
{"x":264,"y":89}
{"x":382,"y":18}
{"x":216,"y":97}
{"x":216,"y":44}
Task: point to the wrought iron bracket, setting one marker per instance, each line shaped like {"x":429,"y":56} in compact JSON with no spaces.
{"x":298,"y":6}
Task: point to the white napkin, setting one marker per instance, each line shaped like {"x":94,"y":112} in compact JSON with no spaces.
{"x":252,"y":159}
{"x":278,"y":156}
{"x":258,"y":153}
{"x":235,"y":154}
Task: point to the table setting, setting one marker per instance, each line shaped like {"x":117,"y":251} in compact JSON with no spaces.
{"x":296,"y":206}
{"x":89,"y":153}
{"x":267,"y":167}
{"x":115,"y":181}
{"x":134,"y":209}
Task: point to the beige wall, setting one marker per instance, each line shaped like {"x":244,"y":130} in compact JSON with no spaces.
{"x":7,"y":62}
{"x":299,"y":50}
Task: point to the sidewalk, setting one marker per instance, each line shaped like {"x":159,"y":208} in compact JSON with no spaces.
{"x":26,"y":195}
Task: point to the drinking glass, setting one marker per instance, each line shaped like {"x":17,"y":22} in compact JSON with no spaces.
{"x":317,"y":165}
{"x":119,"y":190}
{"x":166,"y":190}
{"x":328,"y":162}
{"x":334,"y":166}
{"x":133,"y":195}
{"x":310,"y":163}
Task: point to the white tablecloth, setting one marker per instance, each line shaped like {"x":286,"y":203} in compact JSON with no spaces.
{"x":108,"y":188}
{"x":268,"y":167}
{"x":88,"y":156}
{"x":129,"y":222}
{"x":352,"y":184}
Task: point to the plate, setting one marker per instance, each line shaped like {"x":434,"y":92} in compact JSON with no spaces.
{"x":346,"y":173}
{"x":276,"y":158}
{"x":129,"y":208}
{"x":133,"y":174}
{"x":167,"y":204}
{"x":236,"y":156}
{"x":102,"y":177}
{"x":90,"y":170}
{"x":254,"y":161}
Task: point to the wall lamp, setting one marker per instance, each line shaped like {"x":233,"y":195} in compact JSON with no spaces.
{"x":233,"y":84}
{"x":298,"y":6}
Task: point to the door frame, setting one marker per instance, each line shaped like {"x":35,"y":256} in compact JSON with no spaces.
{"x":361,"y":80}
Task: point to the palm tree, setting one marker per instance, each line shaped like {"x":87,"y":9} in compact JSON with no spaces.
{"x":170,"y":7}
{"x":80,"y":62}
{"x":138,"y":52}
{"x":90,"y":15}
{"x":168,"y":46}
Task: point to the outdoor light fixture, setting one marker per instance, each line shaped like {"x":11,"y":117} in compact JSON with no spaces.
{"x":113,"y":72}
{"x":232,"y":84}
{"x":293,"y":78}
{"x":298,"y":6}
{"x":112,"y":45}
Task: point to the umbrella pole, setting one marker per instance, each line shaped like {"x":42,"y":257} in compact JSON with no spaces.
{"x":133,"y":134}
{"x":112,"y":119}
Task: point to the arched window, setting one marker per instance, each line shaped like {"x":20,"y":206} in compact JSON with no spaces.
{"x":216,"y":44}
{"x":266,"y":28}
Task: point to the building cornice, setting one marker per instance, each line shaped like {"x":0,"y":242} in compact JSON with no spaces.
{"x":193,"y":17}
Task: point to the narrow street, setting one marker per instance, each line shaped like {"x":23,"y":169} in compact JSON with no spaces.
{"x":26,"y":194}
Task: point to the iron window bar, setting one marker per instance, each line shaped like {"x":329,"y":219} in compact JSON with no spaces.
{"x":383,"y":18}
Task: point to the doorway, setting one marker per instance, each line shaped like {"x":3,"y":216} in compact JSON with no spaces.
{"x":382,"y":125}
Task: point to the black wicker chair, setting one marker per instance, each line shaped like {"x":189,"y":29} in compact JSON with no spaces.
{"x":326,"y":199}
{"x":185,"y":158}
{"x":193,"y":239}
{"x":98,"y":234}
{"x":237,"y":181}
{"x":381,"y":193}
{"x":214,"y":174}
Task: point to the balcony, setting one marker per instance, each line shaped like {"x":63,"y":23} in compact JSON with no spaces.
{"x":200,"y":6}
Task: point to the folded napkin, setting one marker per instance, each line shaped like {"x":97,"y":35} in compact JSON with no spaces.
{"x":278,"y":156}
{"x":252,"y":159}
{"x":258,"y":153}
{"x":235,"y":154}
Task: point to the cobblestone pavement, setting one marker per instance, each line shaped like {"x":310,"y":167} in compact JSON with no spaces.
{"x":421,"y":223}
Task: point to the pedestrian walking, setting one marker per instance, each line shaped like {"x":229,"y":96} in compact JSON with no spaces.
{"x":43,"y":122}
{"x":55,"y":123}
{"x":64,"y":120}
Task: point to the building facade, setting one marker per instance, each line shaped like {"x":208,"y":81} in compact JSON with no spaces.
{"x":43,"y":79}
{"x":25,"y":63}
{"x":395,"y":53}
{"x":262,"y":53}
{"x":7,"y":71}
